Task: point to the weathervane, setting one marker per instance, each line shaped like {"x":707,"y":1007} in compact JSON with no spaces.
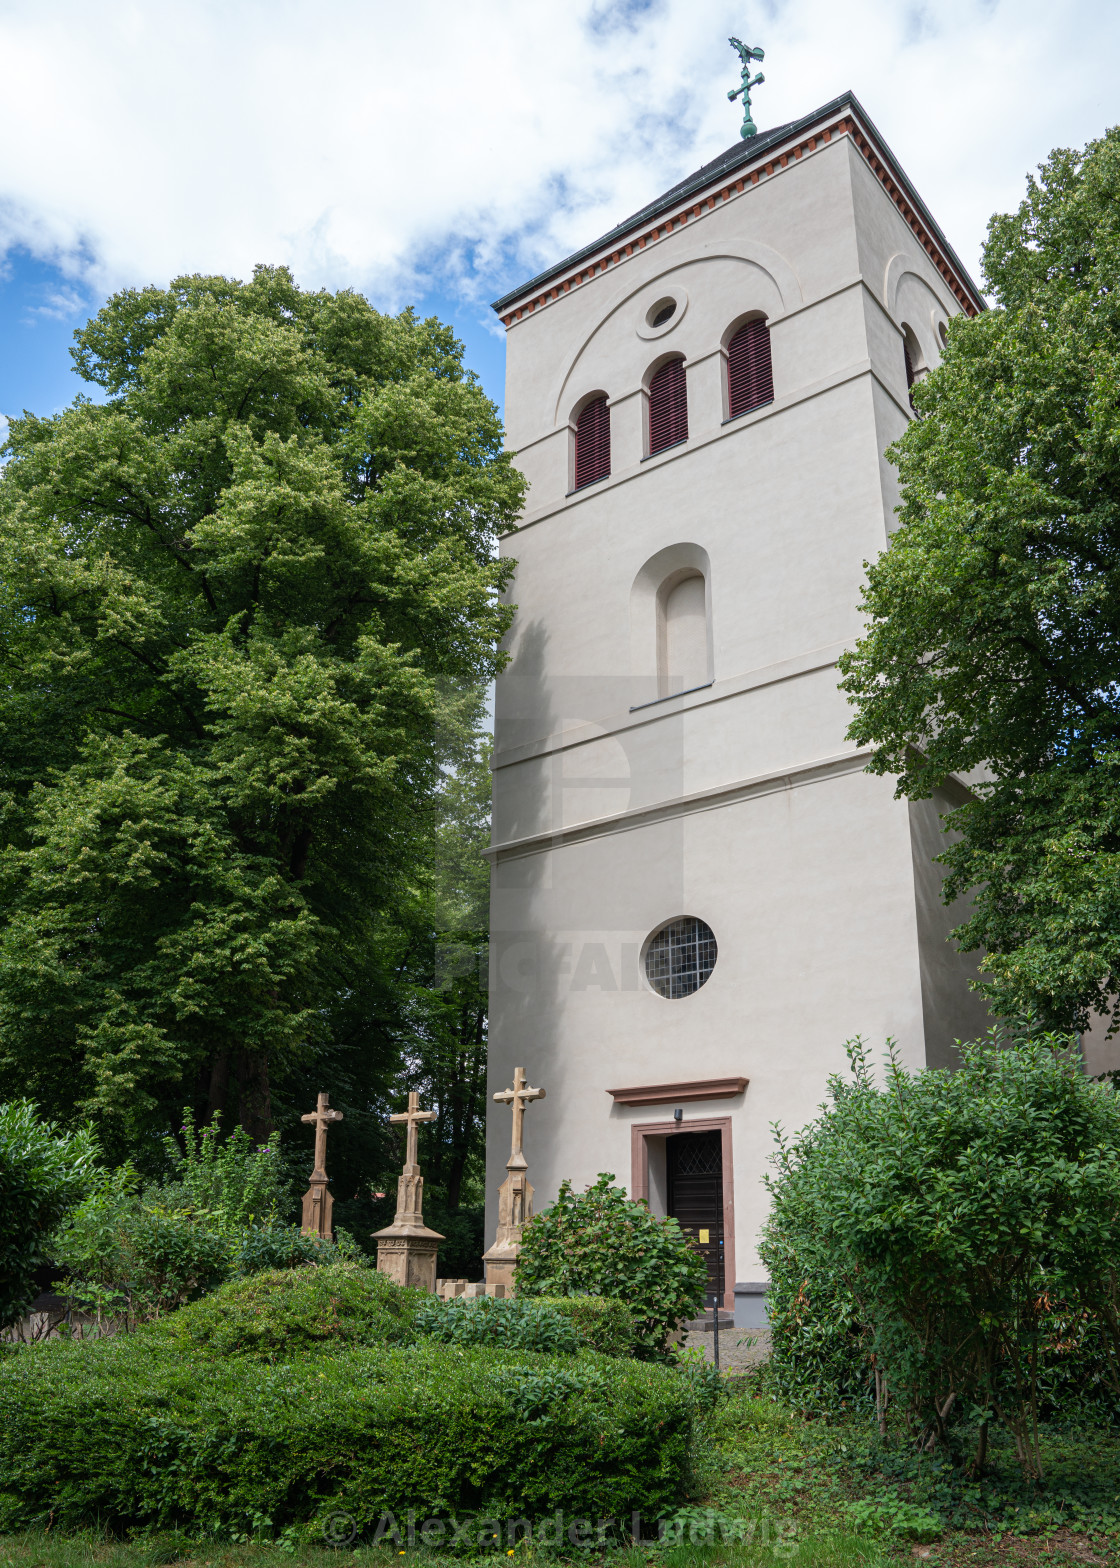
{"x":746,"y":55}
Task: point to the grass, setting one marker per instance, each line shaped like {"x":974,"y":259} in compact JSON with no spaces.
{"x":779,"y":1492}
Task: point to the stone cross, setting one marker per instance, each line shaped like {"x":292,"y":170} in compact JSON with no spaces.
{"x":413,"y":1117}
{"x":518,"y":1097}
{"x":322,"y":1116}
{"x":515,"y":1195}
{"x":406,"y":1249}
{"x":318,"y":1201}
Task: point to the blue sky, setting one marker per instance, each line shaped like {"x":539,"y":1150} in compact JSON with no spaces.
{"x":437,"y":154}
{"x":40,"y":308}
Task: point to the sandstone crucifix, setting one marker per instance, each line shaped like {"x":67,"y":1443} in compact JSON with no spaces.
{"x":318,"y":1201}
{"x":412,"y":1117}
{"x":519,"y":1096}
{"x":406,"y":1249}
{"x":515,"y":1195}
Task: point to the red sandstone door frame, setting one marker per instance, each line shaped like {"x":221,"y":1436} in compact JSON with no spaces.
{"x":639,"y":1177}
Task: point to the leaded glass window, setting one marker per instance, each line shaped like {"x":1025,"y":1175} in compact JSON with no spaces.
{"x":680,"y":957}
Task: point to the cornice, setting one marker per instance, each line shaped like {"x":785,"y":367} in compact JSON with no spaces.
{"x":810,"y":662}
{"x":682,"y":806}
{"x":805,"y":139}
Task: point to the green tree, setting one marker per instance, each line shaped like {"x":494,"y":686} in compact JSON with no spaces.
{"x":993,"y":641}
{"x":447,"y":1048}
{"x":240,"y":600}
{"x":438,"y":1019}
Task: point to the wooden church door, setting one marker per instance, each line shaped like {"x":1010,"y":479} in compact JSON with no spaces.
{"x":694,"y":1167}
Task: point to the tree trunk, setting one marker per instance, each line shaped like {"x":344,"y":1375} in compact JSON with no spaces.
{"x":219,"y":1084}
{"x":300,"y":851}
{"x":980,"y":1458}
{"x":255,"y":1096}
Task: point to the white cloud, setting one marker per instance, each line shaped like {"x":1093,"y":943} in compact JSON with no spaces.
{"x":385,"y":145}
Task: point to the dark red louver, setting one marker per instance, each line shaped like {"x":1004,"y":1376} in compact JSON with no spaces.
{"x":750,"y":380}
{"x":668,"y":407}
{"x":593,"y":443}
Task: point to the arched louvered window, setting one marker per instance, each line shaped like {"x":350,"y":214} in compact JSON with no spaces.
{"x":593,"y":443}
{"x":912,"y":355}
{"x":668,"y":407}
{"x":750,"y":380}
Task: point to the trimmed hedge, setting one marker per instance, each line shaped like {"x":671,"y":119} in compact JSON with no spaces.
{"x":281,"y":1312}
{"x":129,"y":1433}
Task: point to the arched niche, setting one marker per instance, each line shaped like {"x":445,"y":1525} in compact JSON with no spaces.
{"x":671,"y":622}
{"x":910,"y":298}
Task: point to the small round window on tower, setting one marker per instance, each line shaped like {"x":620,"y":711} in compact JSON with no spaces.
{"x":663,"y":311}
{"x":680,"y":957}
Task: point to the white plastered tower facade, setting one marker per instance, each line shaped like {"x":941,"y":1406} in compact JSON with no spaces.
{"x":629,"y":793}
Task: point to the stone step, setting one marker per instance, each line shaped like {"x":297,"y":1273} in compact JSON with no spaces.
{"x":704,"y":1324}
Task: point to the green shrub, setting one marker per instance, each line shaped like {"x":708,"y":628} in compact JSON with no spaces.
{"x":602,"y":1324}
{"x":512,"y":1325}
{"x":560,"y":1325}
{"x":283,"y":1312}
{"x":237,"y":1184}
{"x":127,"y":1261}
{"x":131,"y":1254}
{"x":131,"y":1432}
{"x":955,"y":1218}
{"x":601,"y":1243}
{"x":42,"y":1174}
{"x":820,"y":1355}
{"x":259,"y":1247}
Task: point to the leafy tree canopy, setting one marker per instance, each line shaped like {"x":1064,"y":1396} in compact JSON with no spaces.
{"x":994,"y":617}
{"x":239,"y":598}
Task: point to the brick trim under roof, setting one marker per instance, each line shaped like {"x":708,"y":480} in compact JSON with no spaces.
{"x":758,"y":158}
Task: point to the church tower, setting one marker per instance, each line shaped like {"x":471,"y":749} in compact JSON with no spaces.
{"x":698,"y":893}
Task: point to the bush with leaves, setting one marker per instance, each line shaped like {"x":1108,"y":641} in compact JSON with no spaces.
{"x":126,"y":1259}
{"x":602,"y":1323}
{"x":42,"y":1174}
{"x":286,"y":1312}
{"x":132,"y":1252}
{"x":952,"y":1210}
{"x":515,"y":1325}
{"x":602,"y":1243}
{"x":234,"y":1181}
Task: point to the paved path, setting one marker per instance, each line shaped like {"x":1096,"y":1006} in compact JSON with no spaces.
{"x":735,"y":1352}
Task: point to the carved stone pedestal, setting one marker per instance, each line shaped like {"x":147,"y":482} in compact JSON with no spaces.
{"x":318,"y":1201}
{"x":515,"y":1206}
{"x":407,"y":1253}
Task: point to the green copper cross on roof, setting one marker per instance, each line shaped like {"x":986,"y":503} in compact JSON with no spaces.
{"x":746,"y":55}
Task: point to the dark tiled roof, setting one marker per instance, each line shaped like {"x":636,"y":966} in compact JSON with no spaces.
{"x":743,"y":151}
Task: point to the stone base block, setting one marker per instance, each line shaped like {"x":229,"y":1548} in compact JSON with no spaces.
{"x":408,"y":1259}
{"x":469,"y":1290}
